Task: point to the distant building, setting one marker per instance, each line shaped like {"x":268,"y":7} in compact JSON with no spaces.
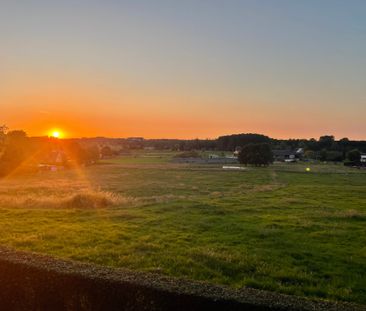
{"x":284,"y":155}
{"x":288,"y":155}
{"x":237,"y":151}
{"x":300,"y":152}
{"x":363,"y":159}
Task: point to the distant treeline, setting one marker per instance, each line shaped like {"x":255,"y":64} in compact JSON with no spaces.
{"x":16,"y":148}
{"x":235,"y":142}
{"x":326,"y":148}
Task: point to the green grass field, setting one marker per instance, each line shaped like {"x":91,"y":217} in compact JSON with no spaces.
{"x":278,"y":228}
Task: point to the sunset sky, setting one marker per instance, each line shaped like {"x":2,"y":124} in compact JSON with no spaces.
{"x":184,"y":69}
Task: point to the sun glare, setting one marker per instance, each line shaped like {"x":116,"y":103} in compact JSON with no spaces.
{"x":56,"y":134}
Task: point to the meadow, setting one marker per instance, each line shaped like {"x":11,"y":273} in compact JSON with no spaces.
{"x":278,"y":228}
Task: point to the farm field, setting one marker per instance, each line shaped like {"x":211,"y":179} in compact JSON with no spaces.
{"x":278,"y":228}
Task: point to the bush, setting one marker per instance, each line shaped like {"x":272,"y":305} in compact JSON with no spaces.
{"x":256,"y":154}
{"x":354,"y":155}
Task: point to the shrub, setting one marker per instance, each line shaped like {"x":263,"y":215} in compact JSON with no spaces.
{"x":256,"y":154}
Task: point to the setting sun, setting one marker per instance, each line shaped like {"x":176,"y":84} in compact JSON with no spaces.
{"x":56,"y":134}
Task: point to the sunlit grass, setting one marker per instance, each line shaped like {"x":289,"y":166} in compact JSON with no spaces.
{"x":279,"y":228}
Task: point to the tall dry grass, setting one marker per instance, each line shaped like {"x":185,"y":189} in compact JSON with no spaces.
{"x":84,"y":199}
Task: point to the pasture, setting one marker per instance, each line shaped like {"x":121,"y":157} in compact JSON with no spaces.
{"x":278,"y":228}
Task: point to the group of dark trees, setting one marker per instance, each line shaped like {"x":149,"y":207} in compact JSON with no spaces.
{"x":333,"y":148}
{"x":326,"y":148}
{"x":233,"y":142}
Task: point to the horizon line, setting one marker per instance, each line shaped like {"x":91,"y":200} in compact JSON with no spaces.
{"x":195,"y":138}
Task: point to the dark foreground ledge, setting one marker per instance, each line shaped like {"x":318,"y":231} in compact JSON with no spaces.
{"x":34,"y":282}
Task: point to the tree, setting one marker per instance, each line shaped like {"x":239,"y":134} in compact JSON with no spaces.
{"x":312,"y":144}
{"x":323,"y":155}
{"x":326,"y":141}
{"x":335,"y":156}
{"x":344,"y":141}
{"x":106,"y":151}
{"x":256,"y":154}
{"x":354,"y":155}
{"x":16,"y":151}
{"x":343,"y":144}
{"x":230,"y":142}
{"x":92,"y":154}
{"x":3,"y":130}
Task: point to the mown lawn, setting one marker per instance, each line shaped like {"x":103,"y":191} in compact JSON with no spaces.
{"x":278,"y":228}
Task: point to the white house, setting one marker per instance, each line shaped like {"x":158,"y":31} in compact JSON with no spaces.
{"x":363,"y":158}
